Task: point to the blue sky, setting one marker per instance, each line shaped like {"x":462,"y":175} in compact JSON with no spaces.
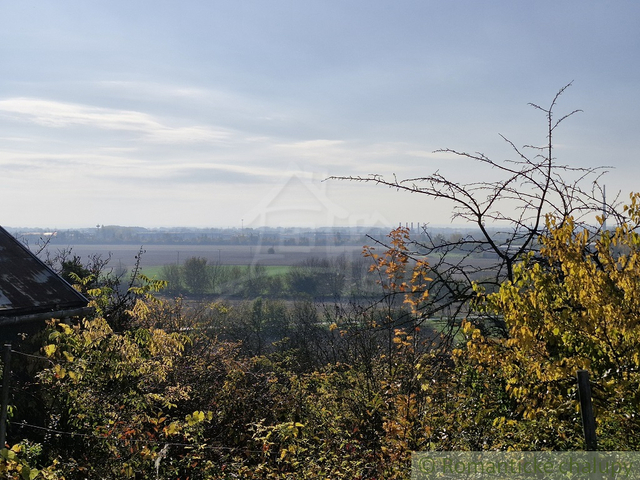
{"x":214,"y":113}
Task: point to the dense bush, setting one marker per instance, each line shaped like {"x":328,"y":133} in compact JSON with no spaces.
{"x":268,"y":389}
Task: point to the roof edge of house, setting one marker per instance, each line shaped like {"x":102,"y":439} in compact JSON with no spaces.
{"x":36,"y":317}
{"x":81,"y":298}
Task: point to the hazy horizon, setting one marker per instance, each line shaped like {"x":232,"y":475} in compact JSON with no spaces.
{"x":220,"y":113}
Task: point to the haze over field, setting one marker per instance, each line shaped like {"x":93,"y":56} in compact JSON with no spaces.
{"x":159,"y":255}
{"x":231,"y":113}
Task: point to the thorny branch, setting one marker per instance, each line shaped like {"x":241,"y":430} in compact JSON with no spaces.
{"x":509,"y":213}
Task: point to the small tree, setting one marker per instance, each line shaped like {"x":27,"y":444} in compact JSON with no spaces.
{"x":215,"y":272}
{"x":577,"y":309}
{"x":196,"y":276}
{"x":173,"y":275}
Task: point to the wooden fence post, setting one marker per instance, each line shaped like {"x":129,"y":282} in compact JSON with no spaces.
{"x":6,"y":375}
{"x":586,"y":410}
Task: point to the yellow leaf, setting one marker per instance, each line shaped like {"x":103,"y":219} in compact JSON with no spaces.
{"x":59,"y":371}
{"x":172,"y":429}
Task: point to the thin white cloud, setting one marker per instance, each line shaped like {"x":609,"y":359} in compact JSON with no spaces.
{"x":153,"y":89}
{"x":312,"y":144}
{"x":197,"y":134}
{"x":83,"y":158}
{"x":54,"y":114}
{"x":340,"y":157}
{"x":223,"y":103}
{"x":201,"y":166}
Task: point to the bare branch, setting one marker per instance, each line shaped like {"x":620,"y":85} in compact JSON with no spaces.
{"x":508,"y":211}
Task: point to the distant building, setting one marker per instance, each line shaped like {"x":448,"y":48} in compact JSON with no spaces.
{"x":31,"y":292}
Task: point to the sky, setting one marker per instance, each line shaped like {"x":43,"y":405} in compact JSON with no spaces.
{"x":205,"y":113}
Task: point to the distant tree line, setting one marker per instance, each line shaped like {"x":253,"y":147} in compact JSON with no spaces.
{"x":159,"y":387}
{"x":314,"y":278}
{"x":115,"y":234}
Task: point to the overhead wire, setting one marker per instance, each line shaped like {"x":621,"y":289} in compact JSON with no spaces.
{"x":205,"y":446}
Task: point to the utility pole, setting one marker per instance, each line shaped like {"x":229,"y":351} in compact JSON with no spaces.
{"x":586,"y":411}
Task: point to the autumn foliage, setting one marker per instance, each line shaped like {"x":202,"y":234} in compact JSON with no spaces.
{"x":177,"y":395}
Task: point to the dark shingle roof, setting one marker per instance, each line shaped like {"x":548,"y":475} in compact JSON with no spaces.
{"x":30,"y":288}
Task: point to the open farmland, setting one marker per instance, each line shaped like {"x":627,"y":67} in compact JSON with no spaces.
{"x":158,"y":255}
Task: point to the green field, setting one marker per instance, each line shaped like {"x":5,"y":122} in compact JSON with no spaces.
{"x":155,"y":272}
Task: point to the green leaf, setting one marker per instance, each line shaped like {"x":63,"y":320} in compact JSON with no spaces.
{"x":28,"y":473}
